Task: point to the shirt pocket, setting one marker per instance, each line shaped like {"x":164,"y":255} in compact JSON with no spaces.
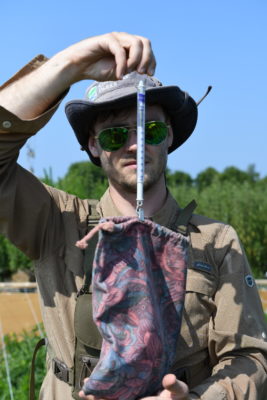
{"x":198,"y":310}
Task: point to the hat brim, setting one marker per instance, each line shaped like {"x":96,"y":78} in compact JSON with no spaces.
{"x":180,"y":107}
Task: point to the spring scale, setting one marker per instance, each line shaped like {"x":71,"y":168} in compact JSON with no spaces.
{"x":140,"y":149}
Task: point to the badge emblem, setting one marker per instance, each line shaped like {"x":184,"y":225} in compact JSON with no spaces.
{"x":249,"y":280}
{"x":202,"y":266}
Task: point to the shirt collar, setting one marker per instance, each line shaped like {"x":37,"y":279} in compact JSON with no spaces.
{"x":166,"y":216}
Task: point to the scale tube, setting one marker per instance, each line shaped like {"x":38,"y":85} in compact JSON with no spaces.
{"x":140,"y":149}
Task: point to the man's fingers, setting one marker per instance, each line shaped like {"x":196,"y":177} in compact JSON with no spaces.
{"x":174,"y":386}
{"x":119,"y":52}
{"x":138,"y":54}
{"x":82,"y":395}
{"x":173,"y":390}
{"x":135,"y":54}
{"x":148,"y":62}
{"x":169,"y":381}
{"x":106,"y":57}
{"x":141,"y":56}
{"x":89,"y":396}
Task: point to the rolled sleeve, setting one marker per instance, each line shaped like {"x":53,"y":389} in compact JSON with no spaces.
{"x":10,"y":123}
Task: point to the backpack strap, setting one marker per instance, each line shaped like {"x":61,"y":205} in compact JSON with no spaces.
{"x":93,"y":220}
{"x":183,"y":225}
{"x":89,"y":252}
{"x":197,"y":248}
{"x":42,"y":342}
{"x":183,"y":218}
{"x":186,"y":225}
{"x":197,"y":254}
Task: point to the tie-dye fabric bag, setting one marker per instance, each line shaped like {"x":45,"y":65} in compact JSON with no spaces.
{"x":138,"y":283}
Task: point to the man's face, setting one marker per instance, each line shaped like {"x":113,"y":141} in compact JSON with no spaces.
{"x":120,"y":166}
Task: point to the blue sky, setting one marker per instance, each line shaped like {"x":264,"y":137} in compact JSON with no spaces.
{"x":196,"y":43}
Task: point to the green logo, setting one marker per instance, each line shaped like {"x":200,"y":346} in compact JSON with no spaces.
{"x":92,"y":93}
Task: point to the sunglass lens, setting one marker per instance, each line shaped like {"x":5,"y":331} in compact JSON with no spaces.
{"x":112,"y":139}
{"x":156,"y":132}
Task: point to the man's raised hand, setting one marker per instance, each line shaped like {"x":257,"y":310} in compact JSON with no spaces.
{"x":102,"y":58}
{"x":108,"y":57}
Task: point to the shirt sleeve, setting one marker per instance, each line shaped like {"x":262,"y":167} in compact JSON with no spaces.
{"x":26,"y":206}
{"x":237,"y":331}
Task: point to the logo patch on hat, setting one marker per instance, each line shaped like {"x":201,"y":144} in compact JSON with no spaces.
{"x":249,"y":280}
{"x":92,"y":93}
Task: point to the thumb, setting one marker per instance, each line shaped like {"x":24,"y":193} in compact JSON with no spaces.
{"x":174,"y":386}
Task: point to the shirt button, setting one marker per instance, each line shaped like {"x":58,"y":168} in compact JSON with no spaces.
{"x":6,"y":124}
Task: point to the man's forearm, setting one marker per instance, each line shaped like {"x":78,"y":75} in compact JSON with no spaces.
{"x":240,"y":377}
{"x":31,"y":95}
{"x":105,"y":57}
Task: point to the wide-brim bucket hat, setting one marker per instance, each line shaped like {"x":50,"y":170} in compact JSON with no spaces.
{"x":115,"y":95}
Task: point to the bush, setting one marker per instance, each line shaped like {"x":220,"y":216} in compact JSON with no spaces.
{"x":19,"y":349}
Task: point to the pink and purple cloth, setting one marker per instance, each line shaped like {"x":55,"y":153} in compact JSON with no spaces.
{"x":138,"y":281}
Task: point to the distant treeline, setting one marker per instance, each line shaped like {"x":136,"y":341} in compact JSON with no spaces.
{"x":233,"y":196}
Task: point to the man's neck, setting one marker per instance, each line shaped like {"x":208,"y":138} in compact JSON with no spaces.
{"x":125,"y":202}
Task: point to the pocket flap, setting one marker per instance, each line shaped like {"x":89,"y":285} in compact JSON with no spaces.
{"x":201,"y":282}
{"x":85,"y":328}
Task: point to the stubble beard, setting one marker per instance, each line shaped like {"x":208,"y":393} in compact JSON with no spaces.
{"x":127,"y":183}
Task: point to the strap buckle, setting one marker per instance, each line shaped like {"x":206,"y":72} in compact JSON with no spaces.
{"x":90,"y":361}
{"x":62,"y":372}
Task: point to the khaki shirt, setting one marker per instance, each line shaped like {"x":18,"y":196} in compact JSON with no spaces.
{"x":223,"y":335}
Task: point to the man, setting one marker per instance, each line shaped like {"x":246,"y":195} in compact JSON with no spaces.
{"x":222,"y":349}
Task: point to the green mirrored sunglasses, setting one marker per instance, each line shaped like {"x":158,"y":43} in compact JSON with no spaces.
{"x":112,"y":139}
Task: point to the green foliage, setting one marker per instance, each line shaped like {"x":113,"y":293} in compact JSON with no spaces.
{"x":235,"y":175}
{"x":85,"y":180}
{"x":178,"y":178}
{"x":230,"y":174}
{"x":19,"y":351}
{"x":4,"y":261}
{"x":48,"y":177}
{"x":16,"y":258}
{"x":254,"y":176}
{"x":12,"y":259}
{"x":206,"y":178}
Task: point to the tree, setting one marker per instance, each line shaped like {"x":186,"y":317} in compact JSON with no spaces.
{"x":84,"y":180}
{"x":254,"y":176}
{"x":235,"y":175}
{"x":19,"y":349}
{"x":178,"y":178}
{"x":17,"y":260}
{"x":206,"y":178}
